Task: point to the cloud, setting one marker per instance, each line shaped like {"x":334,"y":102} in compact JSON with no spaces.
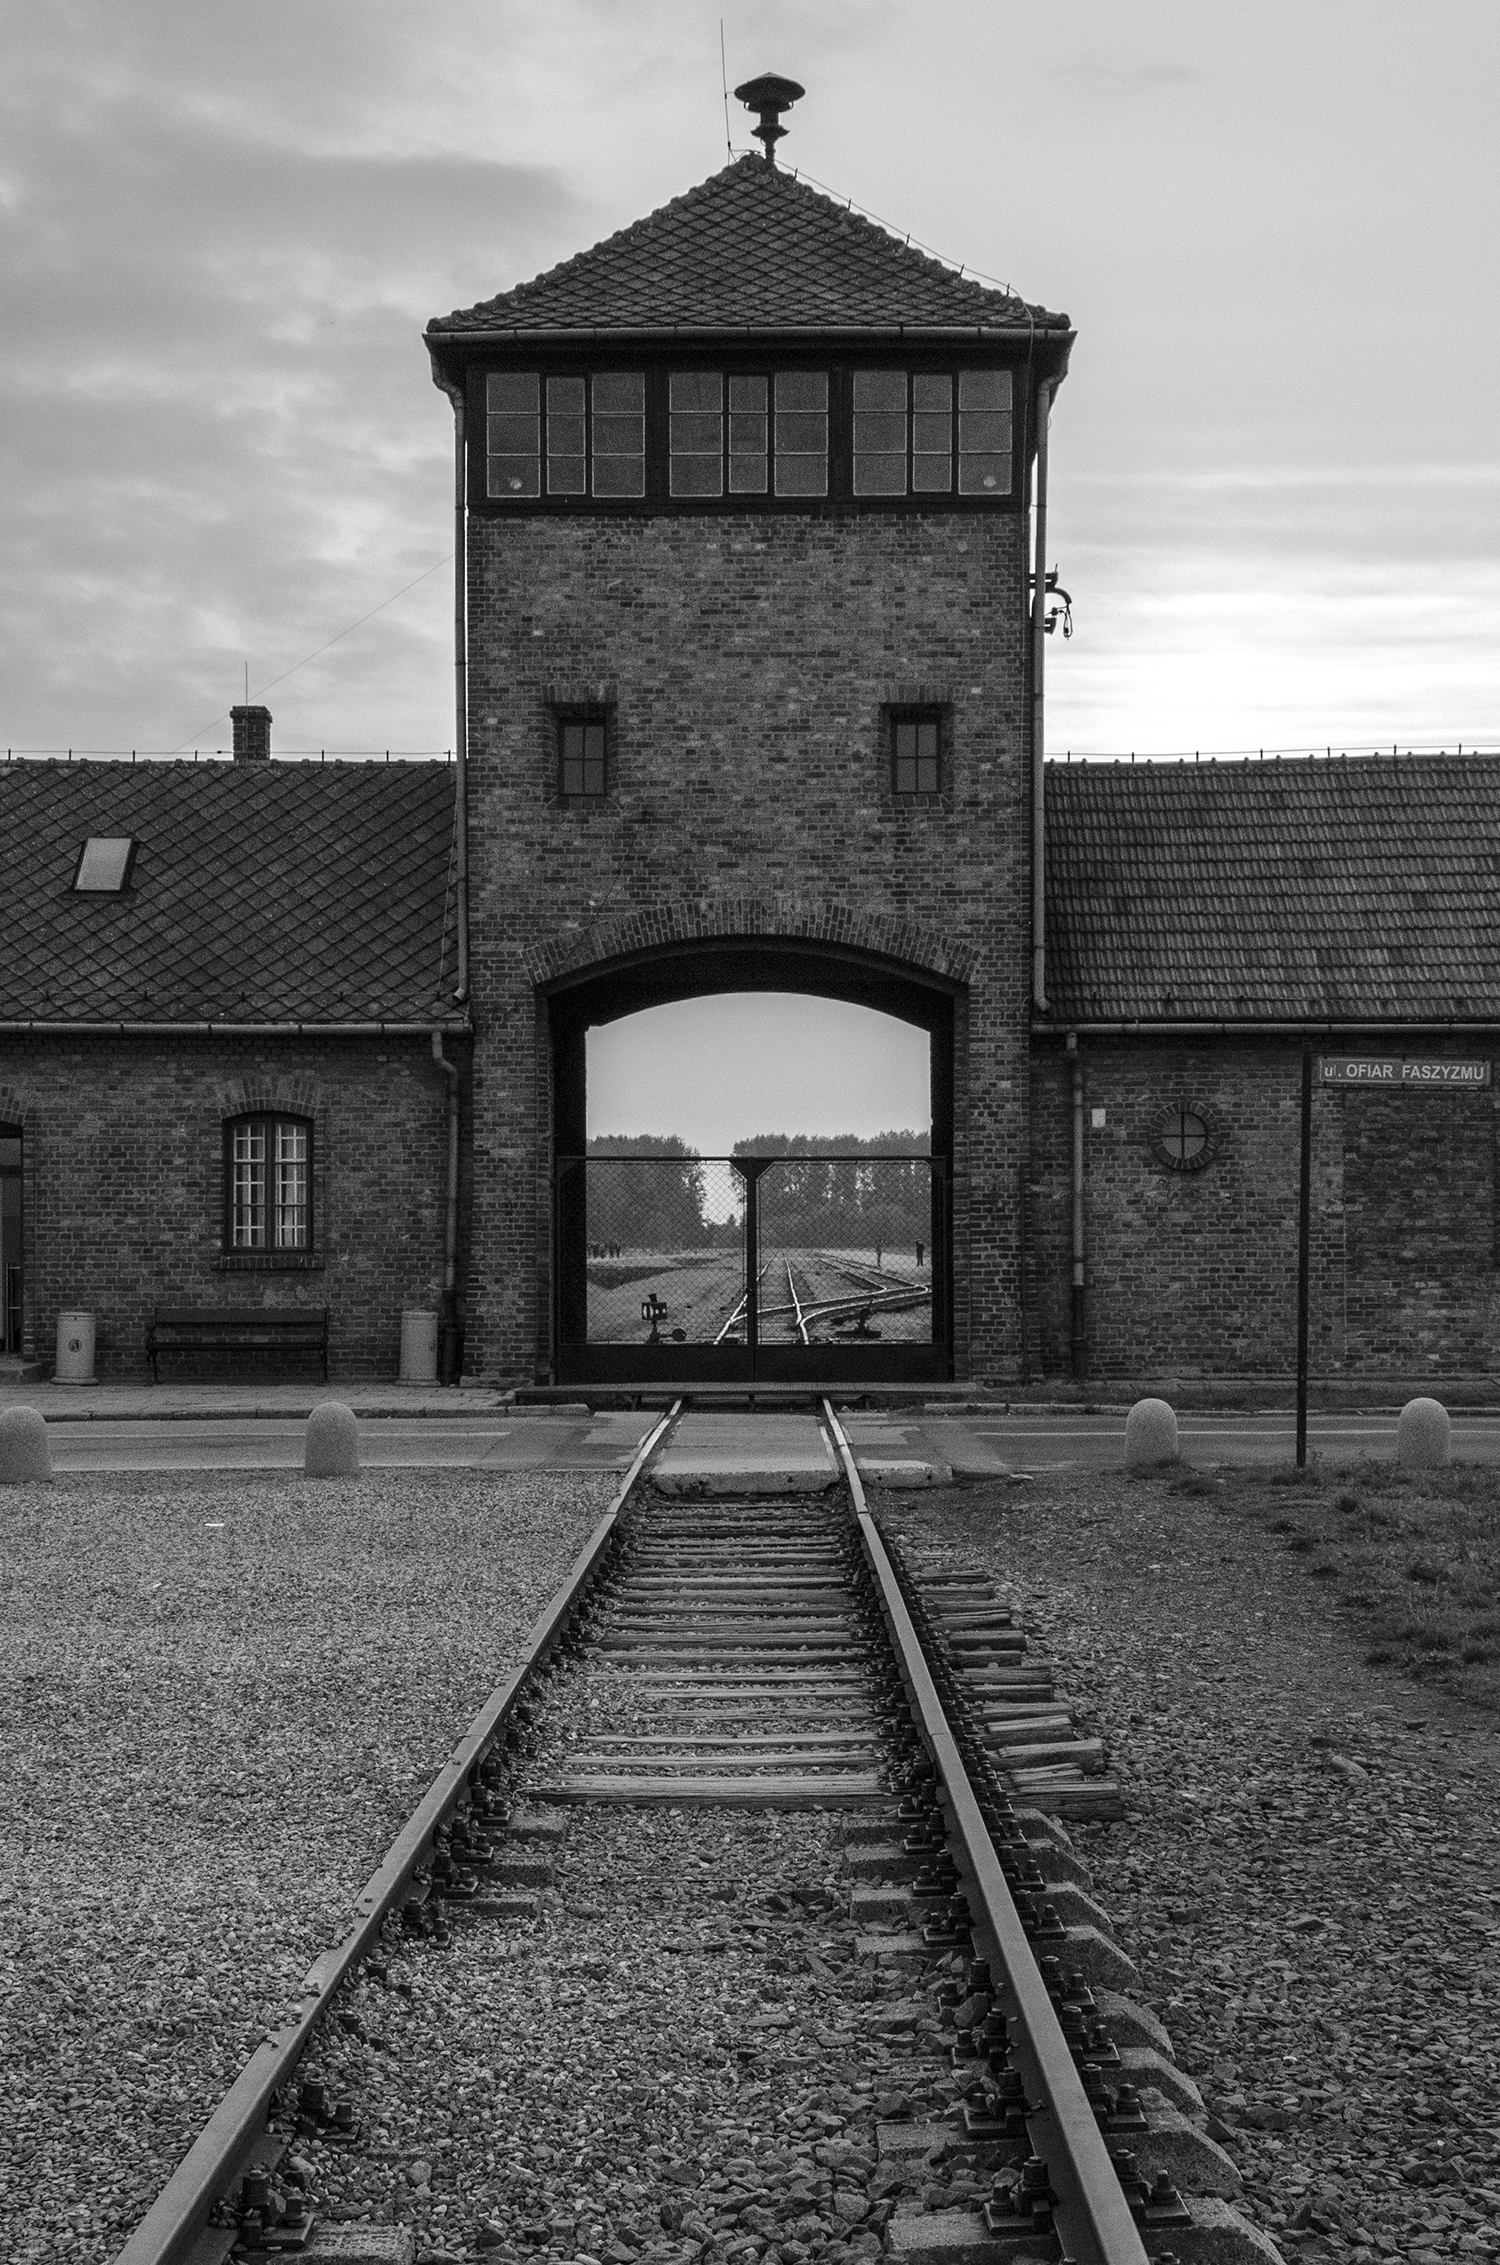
{"x":1122,"y":79}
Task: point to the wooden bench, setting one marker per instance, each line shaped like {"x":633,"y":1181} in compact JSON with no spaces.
{"x":237,"y":1329}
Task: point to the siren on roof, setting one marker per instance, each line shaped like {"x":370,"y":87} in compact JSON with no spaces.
{"x":770,"y":95}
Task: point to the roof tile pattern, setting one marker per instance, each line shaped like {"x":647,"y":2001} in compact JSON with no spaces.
{"x":752,"y":248}
{"x":1346,"y":890}
{"x":261,"y":892}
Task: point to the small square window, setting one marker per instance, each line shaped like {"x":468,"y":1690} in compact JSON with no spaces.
{"x":916,"y":751}
{"x":104,"y":864}
{"x":581,"y":752}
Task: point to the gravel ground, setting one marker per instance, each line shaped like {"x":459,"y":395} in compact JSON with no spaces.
{"x":682,"y":2058}
{"x":224,"y":1696}
{"x":1310,"y":1875}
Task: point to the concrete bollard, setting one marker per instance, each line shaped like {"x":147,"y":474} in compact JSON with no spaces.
{"x":1150,"y":1435}
{"x":25,"y":1451}
{"x":332,"y":1442}
{"x":1424,"y":1437}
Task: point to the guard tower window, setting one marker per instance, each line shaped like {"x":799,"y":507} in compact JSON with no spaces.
{"x":581,"y":753}
{"x":268,"y":1183}
{"x":697,"y":432}
{"x":904,"y":433}
{"x":569,"y":436}
{"x":916,"y":751}
{"x":801,"y":432}
{"x":984,"y":430}
{"x":714,"y":454}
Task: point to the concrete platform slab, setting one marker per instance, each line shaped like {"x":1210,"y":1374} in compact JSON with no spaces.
{"x":753,"y":1453}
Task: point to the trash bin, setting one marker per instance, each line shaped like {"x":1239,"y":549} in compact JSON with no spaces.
{"x":419,"y":1345}
{"x":75,"y":1348}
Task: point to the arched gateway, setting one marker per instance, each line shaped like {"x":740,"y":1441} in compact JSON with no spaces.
{"x":746,"y":498}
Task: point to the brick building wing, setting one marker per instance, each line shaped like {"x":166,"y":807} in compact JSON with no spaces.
{"x":1365,"y":890}
{"x":257,"y":893}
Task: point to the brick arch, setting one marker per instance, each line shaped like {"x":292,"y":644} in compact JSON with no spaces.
{"x":256,"y":1096}
{"x":16,"y":1107}
{"x":841,"y":927}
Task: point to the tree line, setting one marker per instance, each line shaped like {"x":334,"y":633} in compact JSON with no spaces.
{"x":833,"y":1190}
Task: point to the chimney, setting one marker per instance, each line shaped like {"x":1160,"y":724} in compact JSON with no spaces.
{"x":252,"y":734}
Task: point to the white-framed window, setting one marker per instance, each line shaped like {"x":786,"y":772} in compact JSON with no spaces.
{"x":268,"y":1183}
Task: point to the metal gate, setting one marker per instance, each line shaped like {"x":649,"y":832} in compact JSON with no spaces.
{"x":751,"y":1268}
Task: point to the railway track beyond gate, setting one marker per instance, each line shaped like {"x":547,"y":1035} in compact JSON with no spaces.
{"x":1001,"y":2096}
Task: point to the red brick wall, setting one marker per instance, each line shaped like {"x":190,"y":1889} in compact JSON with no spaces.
{"x":123,"y":1187}
{"x":748,"y":658}
{"x":1195,"y":1273}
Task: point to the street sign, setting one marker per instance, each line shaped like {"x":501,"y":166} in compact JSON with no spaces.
{"x":1392,"y":1072}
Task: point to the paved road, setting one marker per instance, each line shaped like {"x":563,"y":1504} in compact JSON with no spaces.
{"x":607,"y":1441}
{"x":1098,"y":1442}
{"x":242,"y":1443}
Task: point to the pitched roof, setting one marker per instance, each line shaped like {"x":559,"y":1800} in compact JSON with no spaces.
{"x":261,"y":892}
{"x":750,"y":249}
{"x":1360,"y":889}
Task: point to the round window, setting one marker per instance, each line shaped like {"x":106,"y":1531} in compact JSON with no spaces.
{"x":1184,"y":1140}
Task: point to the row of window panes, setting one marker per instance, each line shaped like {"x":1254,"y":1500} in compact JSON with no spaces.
{"x":592,"y":438}
{"x":749,"y":434}
{"x":904,"y":433}
{"x":270,"y":1199}
{"x":787,"y":413}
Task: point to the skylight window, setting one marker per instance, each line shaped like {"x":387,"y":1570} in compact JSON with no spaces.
{"x":104,"y":864}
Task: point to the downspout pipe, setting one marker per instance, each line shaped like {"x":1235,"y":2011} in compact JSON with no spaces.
{"x":1038,"y":710}
{"x":461,"y":683}
{"x":450,"y":1336}
{"x":1080,"y":1338}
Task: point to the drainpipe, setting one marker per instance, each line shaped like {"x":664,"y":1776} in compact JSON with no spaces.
{"x":460,"y":685}
{"x":450,"y":1337}
{"x":1080,"y":1340}
{"x":1038,"y":733}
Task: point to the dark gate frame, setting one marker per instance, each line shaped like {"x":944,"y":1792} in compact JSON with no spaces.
{"x":701,"y":968}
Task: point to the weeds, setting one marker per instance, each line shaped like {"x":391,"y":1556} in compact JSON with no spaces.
{"x":1416,"y":1556}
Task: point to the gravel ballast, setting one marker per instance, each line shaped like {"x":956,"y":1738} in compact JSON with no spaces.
{"x":224,"y":1696}
{"x":1309,"y":1877}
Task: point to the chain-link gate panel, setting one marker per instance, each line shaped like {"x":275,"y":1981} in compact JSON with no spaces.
{"x":844,"y":1247}
{"x":664,"y":1249}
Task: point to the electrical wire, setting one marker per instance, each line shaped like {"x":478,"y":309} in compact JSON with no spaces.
{"x":915,"y":243}
{"x":224,"y":714}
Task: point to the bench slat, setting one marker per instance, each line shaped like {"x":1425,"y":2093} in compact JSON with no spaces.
{"x":182,"y":1327}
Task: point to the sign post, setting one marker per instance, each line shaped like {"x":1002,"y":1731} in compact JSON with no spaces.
{"x":1304,"y":1253}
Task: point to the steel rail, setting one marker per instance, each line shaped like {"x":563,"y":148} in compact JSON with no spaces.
{"x":179,"y":2215}
{"x":738,"y":1314}
{"x":1092,"y":2215}
{"x":796,"y":1302}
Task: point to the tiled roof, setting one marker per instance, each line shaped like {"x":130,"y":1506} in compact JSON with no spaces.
{"x":752,"y":248}
{"x":1358,"y":889}
{"x":261,"y":892}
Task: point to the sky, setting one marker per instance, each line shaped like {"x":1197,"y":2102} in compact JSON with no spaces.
{"x":1275,"y":465}
{"x":704,"y":1069}
{"x":1275,"y":492}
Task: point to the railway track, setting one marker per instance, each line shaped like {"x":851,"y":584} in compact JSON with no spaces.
{"x":749,"y":1660}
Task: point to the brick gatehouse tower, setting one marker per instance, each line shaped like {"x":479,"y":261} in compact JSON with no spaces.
{"x":747,"y":493}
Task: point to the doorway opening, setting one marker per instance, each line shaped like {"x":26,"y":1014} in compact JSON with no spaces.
{"x":752,"y":1175}
{"x":12,"y":1304}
